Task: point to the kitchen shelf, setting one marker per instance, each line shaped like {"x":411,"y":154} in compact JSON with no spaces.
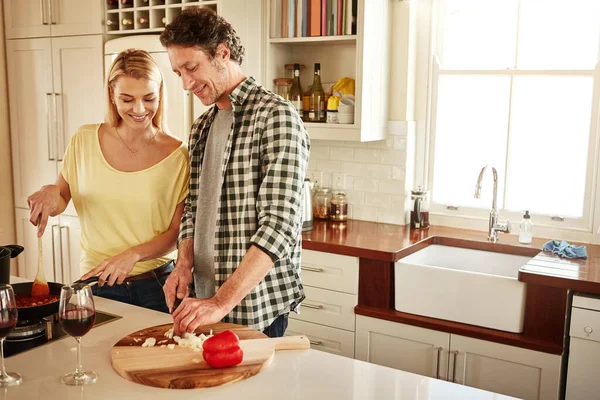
{"x":154,"y":11}
{"x":362,"y":56}
{"x":309,"y":41}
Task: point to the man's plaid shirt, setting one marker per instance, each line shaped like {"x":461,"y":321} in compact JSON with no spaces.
{"x":264,"y":166}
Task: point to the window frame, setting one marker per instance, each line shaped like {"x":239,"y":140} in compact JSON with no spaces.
{"x":585,"y":229}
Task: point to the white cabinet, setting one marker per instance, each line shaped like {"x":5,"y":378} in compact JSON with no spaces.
{"x":47,"y":79}
{"x":477,"y":363}
{"x":42,"y":18}
{"x":327,"y":314}
{"x":61,"y":248}
{"x":408,"y":348}
{"x":509,"y":370}
{"x":363,"y":57}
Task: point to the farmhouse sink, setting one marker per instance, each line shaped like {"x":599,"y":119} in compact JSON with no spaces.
{"x":468,"y":285}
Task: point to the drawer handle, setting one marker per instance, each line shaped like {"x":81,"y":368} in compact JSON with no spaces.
{"x":315,"y":306}
{"x":312,"y":269}
{"x":316,"y":342}
{"x":588,"y":330}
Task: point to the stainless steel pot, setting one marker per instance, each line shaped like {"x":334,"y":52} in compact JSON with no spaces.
{"x":6,"y":253}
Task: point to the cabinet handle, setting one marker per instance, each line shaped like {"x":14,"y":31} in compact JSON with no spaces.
{"x":60,"y":134}
{"x":49,"y":125}
{"x":437,"y":366}
{"x":312,"y":269}
{"x":315,"y":306}
{"x":62,"y":257}
{"x":454,"y":365}
{"x":50,"y":7}
{"x":316,"y":342}
{"x":54,"y":278}
{"x":44,"y":20}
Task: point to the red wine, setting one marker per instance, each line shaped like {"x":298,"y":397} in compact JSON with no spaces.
{"x":8,"y":321}
{"x":77,"y":321}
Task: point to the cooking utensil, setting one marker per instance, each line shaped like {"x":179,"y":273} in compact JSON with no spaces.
{"x":183,"y":368}
{"x":40,"y":286}
{"x":307,"y":206}
{"x":41,"y":311}
{"x":6,"y":253}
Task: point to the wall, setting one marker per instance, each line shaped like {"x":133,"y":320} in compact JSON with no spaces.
{"x":7,"y":208}
{"x":378,"y":175}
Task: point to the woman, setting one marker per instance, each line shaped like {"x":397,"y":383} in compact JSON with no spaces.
{"x":128,"y":179}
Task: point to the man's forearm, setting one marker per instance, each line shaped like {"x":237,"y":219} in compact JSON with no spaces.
{"x":254,"y":267}
{"x":185,"y":253}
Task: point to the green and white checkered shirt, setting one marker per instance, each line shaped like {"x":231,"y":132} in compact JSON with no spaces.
{"x":264,"y":166}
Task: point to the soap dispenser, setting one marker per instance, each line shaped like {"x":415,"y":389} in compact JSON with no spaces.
{"x":526,"y":229}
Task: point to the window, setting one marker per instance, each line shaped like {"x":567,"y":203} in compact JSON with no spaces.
{"x":515,"y":84}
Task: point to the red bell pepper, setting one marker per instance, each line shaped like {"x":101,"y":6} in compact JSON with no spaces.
{"x":222,"y":350}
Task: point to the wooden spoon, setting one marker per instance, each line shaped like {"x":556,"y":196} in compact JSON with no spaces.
{"x":40,"y":286}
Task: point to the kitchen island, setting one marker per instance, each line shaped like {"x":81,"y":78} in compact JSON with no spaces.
{"x":301,"y":374}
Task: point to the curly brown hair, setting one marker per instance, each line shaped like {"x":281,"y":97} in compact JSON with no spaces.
{"x":202,"y":27}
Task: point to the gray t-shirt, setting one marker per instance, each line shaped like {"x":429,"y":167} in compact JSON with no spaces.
{"x":209,"y":190}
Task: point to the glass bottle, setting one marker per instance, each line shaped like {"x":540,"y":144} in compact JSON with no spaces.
{"x":143,"y":20}
{"x":110,"y":22}
{"x":296,"y":91}
{"x":339,"y":206}
{"x":127,"y":21}
{"x":316,"y":112}
{"x":164,"y":20}
{"x":526,"y":229}
{"x":322,"y":203}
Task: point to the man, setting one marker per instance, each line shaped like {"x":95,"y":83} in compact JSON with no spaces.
{"x":241,"y":227}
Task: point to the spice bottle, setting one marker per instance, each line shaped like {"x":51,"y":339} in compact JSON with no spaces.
{"x":316,"y":112}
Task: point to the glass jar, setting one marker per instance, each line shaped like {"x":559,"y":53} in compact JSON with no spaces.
{"x":339,"y":207}
{"x":282,"y":87}
{"x":322,"y":203}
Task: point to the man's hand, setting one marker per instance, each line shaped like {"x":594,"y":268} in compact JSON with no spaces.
{"x":117,"y":267}
{"x":193,"y":313}
{"x":177,"y":284}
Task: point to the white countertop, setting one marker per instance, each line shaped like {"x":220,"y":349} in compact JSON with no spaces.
{"x":300,"y":374}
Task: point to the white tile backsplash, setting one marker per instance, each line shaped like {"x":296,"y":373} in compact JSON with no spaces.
{"x":375,"y":173}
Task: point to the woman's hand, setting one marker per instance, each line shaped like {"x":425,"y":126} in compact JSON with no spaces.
{"x":43,"y":204}
{"x":117,"y":267}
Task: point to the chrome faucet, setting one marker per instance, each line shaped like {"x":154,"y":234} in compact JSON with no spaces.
{"x":494,"y":225}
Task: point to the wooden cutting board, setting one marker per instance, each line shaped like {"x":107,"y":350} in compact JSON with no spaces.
{"x":184,"y":368}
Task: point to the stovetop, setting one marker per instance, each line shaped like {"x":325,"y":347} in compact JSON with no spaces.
{"x":31,"y":334}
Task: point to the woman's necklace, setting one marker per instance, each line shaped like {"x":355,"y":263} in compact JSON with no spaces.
{"x":133,"y":153}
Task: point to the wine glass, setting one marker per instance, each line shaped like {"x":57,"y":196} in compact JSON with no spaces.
{"x":8,"y":321}
{"x":77,"y":314}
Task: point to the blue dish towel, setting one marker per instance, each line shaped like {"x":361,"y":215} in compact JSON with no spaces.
{"x":565,"y":249}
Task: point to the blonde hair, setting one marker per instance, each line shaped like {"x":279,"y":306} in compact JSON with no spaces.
{"x":136,"y":64}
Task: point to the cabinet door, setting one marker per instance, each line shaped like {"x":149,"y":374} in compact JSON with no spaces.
{"x":75,"y":17}
{"x":70,"y":245}
{"x":27,"y":237}
{"x":178,"y":102}
{"x":246,"y":17}
{"x":324,"y":338}
{"x":26,"y":18}
{"x":78,"y":73}
{"x":408,"y":348}
{"x":32,"y":124}
{"x":508,"y":370}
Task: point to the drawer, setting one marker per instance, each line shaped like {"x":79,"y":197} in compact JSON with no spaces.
{"x":585,"y":324}
{"x":327,"y":307}
{"x":330,"y":271}
{"x":324,"y":338}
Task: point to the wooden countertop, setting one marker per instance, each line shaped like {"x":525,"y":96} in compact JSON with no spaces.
{"x":386,"y":242}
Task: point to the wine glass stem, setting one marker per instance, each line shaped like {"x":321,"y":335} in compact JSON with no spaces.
{"x":3,"y":372}
{"x":79,"y":369}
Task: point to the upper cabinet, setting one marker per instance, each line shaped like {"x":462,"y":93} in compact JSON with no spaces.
{"x":47,"y":80}
{"x":358,"y":50}
{"x":44,"y":18}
